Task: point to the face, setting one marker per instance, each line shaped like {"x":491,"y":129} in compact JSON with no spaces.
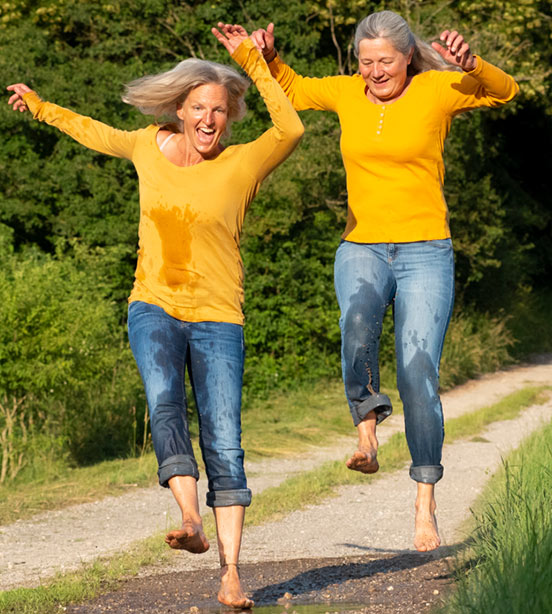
{"x":204,"y":116}
{"x":383,"y":68}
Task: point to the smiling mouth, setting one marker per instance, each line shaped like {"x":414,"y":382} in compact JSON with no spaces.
{"x":205,"y":135}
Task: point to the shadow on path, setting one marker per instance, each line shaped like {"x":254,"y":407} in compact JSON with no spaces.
{"x":390,"y":584}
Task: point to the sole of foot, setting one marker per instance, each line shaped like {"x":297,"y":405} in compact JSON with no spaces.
{"x":188,"y":538}
{"x":365,"y":462}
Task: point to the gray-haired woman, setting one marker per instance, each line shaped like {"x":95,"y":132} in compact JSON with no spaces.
{"x":396,"y":248}
{"x":186,"y":304}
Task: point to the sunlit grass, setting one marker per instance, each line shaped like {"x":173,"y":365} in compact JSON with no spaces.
{"x":507,"y":568}
{"x":283,"y":425}
{"x":295,"y":493}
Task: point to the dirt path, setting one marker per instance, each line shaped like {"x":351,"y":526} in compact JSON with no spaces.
{"x":368,"y":528}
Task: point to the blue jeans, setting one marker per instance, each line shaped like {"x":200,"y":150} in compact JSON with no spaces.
{"x":418,"y":280}
{"x":214,"y":354}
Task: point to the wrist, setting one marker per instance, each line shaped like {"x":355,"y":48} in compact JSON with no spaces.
{"x":473,"y":65}
{"x":269,"y":57}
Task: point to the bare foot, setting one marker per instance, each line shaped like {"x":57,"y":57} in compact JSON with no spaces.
{"x":231,"y":592}
{"x":190,"y":537}
{"x":364,"y":460}
{"x":426,"y":531}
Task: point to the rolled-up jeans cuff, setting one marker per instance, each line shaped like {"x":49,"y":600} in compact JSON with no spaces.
{"x":179,"y":464}
{"x":380,"y":403}
{"x":428,"y":474}
{"x":226,"y":498}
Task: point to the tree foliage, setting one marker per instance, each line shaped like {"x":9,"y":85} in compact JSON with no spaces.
{"x":69,"y":216}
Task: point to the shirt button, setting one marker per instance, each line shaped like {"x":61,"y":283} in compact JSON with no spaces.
{"x":378,"y":132}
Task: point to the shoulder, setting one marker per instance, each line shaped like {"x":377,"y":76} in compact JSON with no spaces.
{"x":439,"y":77}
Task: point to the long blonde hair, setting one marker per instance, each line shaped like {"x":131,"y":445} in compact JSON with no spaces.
{"x":160,"y":95}
{"x":390,"y":25}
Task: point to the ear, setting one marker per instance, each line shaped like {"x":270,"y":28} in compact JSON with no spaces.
{"x":409,"y":58}
{"x":180,"y":110}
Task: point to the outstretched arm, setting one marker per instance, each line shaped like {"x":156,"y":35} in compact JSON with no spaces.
{"x":304,"y":92}
{"x":19,"y":90}
{"x":279,"y":141}
{"x":88,"y":132}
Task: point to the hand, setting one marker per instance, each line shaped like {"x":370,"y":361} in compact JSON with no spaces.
{"x":17,"y":98}
{"x":457,"y":50}
{"x":232,"y":36}
{"x":264,"y":41}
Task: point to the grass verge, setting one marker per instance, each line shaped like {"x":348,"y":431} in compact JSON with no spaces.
{"x":282,"y":425}
{"x":273,"y":503}
{"x":508,"y":566}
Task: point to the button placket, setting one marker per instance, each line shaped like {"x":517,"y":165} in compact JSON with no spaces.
{"x":380,"y":122}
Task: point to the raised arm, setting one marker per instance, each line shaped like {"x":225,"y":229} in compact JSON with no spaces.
{"x":304,"y":92}
{"x":482,"y":84}
{"x":286,"y":132}
{"x":90,"y":133}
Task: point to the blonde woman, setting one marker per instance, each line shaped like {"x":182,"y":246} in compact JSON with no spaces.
{"x":185,"y":309}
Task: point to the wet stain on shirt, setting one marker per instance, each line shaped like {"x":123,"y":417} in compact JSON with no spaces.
{"x":174,"y":227}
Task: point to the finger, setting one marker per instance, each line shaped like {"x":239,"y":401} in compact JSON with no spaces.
{"x":464,"y":50}
{"x":221,"y":38}
{"x":450,"y":38}
{"x":444,"y":35}
{"x":270,"y":28}
{"x":456,"y":44}
{"x":258,"y":40}
{"x":241,"y":30}
{"x":13,"y":98}
{"x":443,"y":51}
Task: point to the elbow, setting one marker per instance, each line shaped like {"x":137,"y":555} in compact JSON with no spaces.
{"x":297,"y":132}
{"x":513,"y":92}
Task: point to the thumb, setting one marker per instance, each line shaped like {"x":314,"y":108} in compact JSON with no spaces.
{"x":440,"y":49}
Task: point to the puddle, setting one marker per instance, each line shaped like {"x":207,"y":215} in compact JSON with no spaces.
{"x":312,"y":608}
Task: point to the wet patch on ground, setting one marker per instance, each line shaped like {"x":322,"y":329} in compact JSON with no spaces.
{"x":399,"y":583}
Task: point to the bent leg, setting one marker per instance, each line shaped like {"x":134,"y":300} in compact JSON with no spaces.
{"x":364,"y":289}
{"x":159,"y":346}
{"x":190,"y":536}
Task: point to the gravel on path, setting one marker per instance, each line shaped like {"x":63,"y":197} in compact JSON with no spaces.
{"x":33,"y":550}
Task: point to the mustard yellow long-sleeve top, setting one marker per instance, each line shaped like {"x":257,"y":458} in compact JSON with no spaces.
{"x":189,"y":261}
{"x":393,"y":153}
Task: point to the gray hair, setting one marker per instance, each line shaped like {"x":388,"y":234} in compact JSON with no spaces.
{"x":390,"y":25}
{"x":160,"y":95}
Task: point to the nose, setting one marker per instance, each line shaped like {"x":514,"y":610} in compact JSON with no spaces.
{"x":209,"y":117}
{"x":377,"y":70}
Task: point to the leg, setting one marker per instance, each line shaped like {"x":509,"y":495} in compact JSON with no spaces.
{"x":190,"y":536}
{"x":423,"y":306}
{"x":216,"y":367}
{"x":229,"y":521}
{"x":364,"y":289}
{"x":159,"y":345}
{"x":426,"y":531}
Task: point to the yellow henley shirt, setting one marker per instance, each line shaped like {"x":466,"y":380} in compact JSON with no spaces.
{"x":393,"y":153}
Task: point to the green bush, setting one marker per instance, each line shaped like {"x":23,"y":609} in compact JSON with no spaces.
{"x":64,"y":360}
